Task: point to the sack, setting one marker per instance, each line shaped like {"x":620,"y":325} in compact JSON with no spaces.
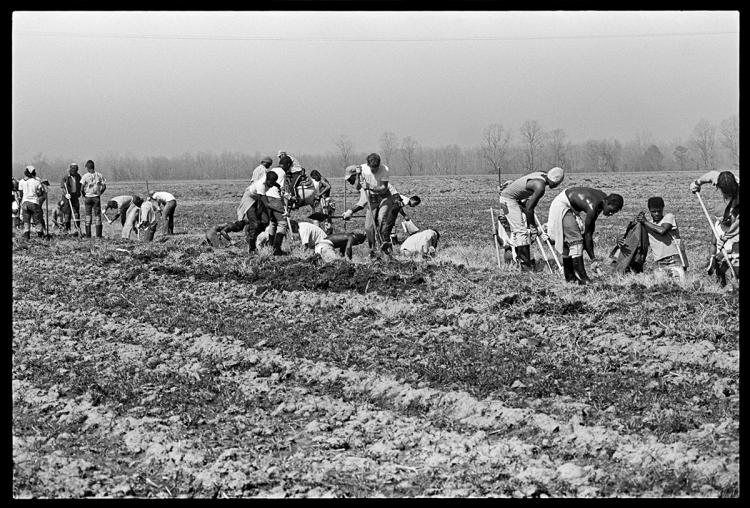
{"x":409,"y":227}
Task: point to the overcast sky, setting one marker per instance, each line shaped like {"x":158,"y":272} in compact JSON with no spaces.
{"x":165,"y":83}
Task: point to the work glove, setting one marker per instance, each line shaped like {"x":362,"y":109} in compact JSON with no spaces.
{"x":695,"y":187}
{"x":347,"y":215}
{"x":67,"y":196}
{"x":544,"y":236}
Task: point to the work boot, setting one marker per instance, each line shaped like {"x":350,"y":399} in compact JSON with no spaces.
{"x":568,"y":270}
{"x":523,"y":255}
{"x":99,"y":230}
{"x":580,"y":270}
{"x":88,"y":232}
{"x":277,"y":240}
{"x":387,"y":248}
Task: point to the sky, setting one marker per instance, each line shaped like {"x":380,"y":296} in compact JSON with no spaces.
{"x":147,"y":83}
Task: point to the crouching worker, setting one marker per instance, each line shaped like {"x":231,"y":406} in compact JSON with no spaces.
{"x":131,"y":218}
{"x":664,"y":239}
{"x":218,"y":236}
{"x":167,"y":205}
{"x":314,"y":238}
{"x":399,"y":203}
{"x":120,"y":204}
{"x":422,"y":243}
{"x":571,"y":234}
{"x":59,"y":213}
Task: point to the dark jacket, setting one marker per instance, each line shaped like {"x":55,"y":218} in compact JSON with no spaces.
{"x":68,"y":180}
{"x":632,"y":255}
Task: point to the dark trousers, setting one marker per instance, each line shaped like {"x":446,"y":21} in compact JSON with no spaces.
{"x":257,"y":217}
{"x":32,"y":211}
{"x":93,"y":206}
{"x":168,"y":213}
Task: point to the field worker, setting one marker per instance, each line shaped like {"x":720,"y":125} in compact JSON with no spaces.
{"x":572,"y":235}
{"x":58,"y":214}
{"x":296,"y":165}
{"x":121,"y":205}
{"x":147,"y":220}
{"x":322,"y":191}
{"x":423,"y":243}
{"x":372,"y":180}
{"x":15,"y":204}
{"x":399,"y":203}
{"x":518,"y":202}
{"x":664,"y":239}
{"x":275,"y":200}
{"x":314,"y":238}
{"x":257,"y":217}
{"x":93,"y":186}
{"x":218,"y":236}
{"x":167,"y":205}
{"x":261,"y":169}
{"x":31,"y":190}
{"x":71,"y":187}
{"x":727,"y":215}
{"x":131,"y":217}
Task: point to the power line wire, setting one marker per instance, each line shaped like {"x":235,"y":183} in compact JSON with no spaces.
{"x":359,"y":39}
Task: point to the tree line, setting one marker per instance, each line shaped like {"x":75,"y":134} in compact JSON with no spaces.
{"x":501,"y":149}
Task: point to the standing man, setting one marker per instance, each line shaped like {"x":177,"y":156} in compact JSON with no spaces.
{"x":167,"y":205}
{"x":93,"y":186}
{"x":121,"y":205}
{"x":71,"y":187}
{"x":517,"y":204}
{"x":275,"y":200}
{"x":571,"y":234}
{"x":31,"y":190}
{"x":260,"y":170}
{"x":372,"y":180}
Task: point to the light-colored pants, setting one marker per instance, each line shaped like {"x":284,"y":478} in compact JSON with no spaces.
{"x":517,"y":220}
{"x":326,"y":251}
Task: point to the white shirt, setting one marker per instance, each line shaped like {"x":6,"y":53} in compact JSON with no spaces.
{"x":163,"y":197}
{"x":258,"y":173}
{"x":29,"y":187}
{"x":275,"y":192}
{"x":122,"y":201}
{"x":420,"y":242}
{"x":147,"y":213}
{"x":310,"y":234}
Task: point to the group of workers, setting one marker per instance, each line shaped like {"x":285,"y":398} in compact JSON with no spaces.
{"x":264,"y":211}
{"x":264,"y":216}
{"x":518,"y":226}
{"x":138,"y":217}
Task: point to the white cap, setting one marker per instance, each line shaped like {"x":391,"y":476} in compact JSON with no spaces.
{"x":556,"y":175}
{"x":30,"y":168}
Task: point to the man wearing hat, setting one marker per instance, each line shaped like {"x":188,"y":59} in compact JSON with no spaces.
{"x":71,"y":187}
{"x":372,"y":181}
{"x":32,"y":190}
{"x":260,"y":171}
{"x":518,"y":202}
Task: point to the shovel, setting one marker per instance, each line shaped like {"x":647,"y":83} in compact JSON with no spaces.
{"x":320,"y":216}
{"x":716,"y":234}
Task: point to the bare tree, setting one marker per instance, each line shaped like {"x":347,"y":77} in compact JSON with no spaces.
{"x":704,"y":142}
{"x":682,"y":156}
{"x":603,"y":155}
{"x":345,"y":149}
{"x":495,"y":141}
{"x":533,"y":137}
{"x":409,"y":147}
{"x":558,"y":146}
{"x":730,"y":138}
{"x":388,"y":147}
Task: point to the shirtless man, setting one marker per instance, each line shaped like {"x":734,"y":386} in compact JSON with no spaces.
{"x":571,"y":234}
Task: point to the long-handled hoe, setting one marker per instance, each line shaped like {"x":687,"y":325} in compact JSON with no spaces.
{"x":551,"y":249}
{"x":73,"y":219}
{"x":494,"y":237}
{"x":717,"y":235}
